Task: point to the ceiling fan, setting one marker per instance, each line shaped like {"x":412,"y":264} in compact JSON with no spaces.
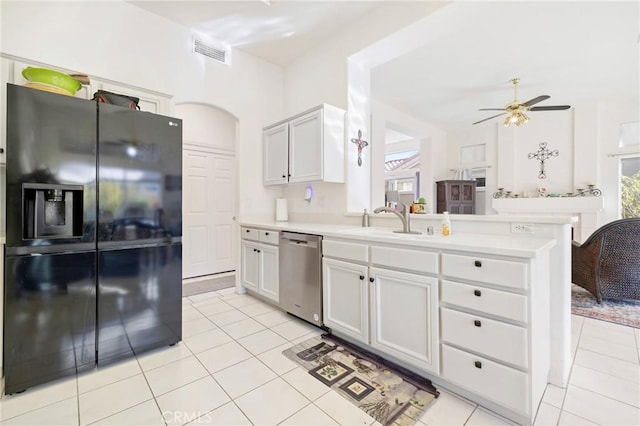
{"x":516,"y":110}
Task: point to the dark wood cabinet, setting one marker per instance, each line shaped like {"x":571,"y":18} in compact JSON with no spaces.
{"x":456,"y":196}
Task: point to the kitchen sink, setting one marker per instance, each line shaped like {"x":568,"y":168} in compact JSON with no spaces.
{"x":389,"y":233}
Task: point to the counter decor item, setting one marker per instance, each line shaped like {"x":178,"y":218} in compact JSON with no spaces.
{"x":591,"y":191}
{"x":51,"y":81}
{"x":501,"y":193}
{"x":361,"y":144}
{"x":420,"y":206}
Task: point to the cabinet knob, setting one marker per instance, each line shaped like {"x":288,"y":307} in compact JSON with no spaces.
{"x":478,"y":264}
{"x":371,"y":279}
{"x":477,"y":293}
{"x":1,"y":150}
{"x":284,"y":176}
{"x":254,"y":250}
{"x":266,"y":233}
{"x":289,"y":174}
{"x":477,"y":323}
{"x":362,"y":277}
{"x":247,"y":231}
{"x":258,"y":251}
{"x":478,"y":364}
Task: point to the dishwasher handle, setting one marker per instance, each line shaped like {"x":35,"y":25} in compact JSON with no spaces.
{"x":300,"y":240}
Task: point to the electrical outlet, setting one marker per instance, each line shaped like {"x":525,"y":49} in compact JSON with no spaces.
{"x":522,"y":228}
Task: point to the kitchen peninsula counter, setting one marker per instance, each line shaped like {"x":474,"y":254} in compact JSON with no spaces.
{"x":502,"y":245}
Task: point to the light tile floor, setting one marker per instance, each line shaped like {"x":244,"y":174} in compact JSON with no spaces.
{"x":229,"y":370}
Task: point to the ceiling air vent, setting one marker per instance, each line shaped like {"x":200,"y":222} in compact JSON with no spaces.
{"x":215,"y":53}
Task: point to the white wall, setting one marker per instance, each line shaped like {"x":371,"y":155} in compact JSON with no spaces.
{"x":121,"y":42}
{"x":585,"y":135}
{"x":322,"y":76}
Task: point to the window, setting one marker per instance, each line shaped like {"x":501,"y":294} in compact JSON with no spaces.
{"x":630,"y":187}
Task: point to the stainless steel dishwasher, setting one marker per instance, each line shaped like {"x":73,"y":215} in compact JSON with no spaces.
{"x":301,"y":275}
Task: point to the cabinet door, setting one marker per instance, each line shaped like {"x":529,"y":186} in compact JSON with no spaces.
{"x":276,"y":155}
{"x":270,"y":278}
{"x":346,"y":294}
{"x":250,"y":265}
{"x":404,"y":317}
{"x":305,"y":148}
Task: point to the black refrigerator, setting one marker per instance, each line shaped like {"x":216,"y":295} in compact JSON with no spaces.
{"x":93,"y":259}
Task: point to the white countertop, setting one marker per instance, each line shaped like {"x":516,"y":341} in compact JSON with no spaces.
{"x":502,"y":245}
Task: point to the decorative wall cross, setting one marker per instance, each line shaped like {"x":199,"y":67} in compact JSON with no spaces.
{"x":542,"y":155}
{"x":361,"y":144}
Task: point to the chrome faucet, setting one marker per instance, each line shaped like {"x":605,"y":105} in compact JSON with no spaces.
{"x":403,"y":215}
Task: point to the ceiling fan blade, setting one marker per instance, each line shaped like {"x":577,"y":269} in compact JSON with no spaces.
{"x":491,"y":109}
{"x":550,"y":108}
{"x":486,"y":119}
{"x":536,"y":100}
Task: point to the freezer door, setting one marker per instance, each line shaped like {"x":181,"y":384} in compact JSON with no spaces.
{"x":139,"y":300}
{"x":49,"y":318}
{"x":51,"y":143}
{"x":140,"y":177}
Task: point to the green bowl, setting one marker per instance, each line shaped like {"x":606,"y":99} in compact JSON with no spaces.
{"x":53,"y":78}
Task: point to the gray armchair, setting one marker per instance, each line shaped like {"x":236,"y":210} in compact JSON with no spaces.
{"x":608,"y":263}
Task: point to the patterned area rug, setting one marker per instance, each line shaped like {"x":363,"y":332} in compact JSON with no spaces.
{"x":388,"y":393}
{"x":621,"y":312}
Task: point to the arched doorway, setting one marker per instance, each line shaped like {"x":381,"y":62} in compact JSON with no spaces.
{"x":209,"y":189}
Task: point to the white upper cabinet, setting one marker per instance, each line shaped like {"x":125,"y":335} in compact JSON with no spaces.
{"x":276,"y":156}
{"x":308,"y":147}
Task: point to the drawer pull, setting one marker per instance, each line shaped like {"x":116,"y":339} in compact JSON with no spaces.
{"x":284,"y":176}
{"x":371,"y":279}
{"x":362,"y":277}
{"x":477,"y":323}
{"x":478,"y":364}
{"x":477,"y":293}
{"x":478,"y":264}
{"x":266,"y":233}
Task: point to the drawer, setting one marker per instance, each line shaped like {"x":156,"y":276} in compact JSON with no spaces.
{"x":499,"y":272}
{"x":342,"y":250}
{"x":499,"y":383}
{"x":414,"y":260}
{"x":249,"y":234}
{"x":504,"y":342}
{"x":495,"y":302}
{"x":269,"y":236}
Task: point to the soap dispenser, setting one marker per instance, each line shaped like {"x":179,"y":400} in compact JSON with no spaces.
{"x":365,"y":219}
{"x":446,"y":224}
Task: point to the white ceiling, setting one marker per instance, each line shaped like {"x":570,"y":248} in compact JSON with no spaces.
{"x":279,"y":32}
{"x":574,"y":51}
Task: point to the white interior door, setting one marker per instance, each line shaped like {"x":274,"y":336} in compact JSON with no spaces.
{"x":209,"y":213}
{"x":209,"y":190}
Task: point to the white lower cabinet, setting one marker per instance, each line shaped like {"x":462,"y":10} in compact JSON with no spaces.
{"x":393,"y":312}
{"x":404,"y":316}
{"x":477,"y":322}
{"x":260,"y":262}
{"x":345,"y":298}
